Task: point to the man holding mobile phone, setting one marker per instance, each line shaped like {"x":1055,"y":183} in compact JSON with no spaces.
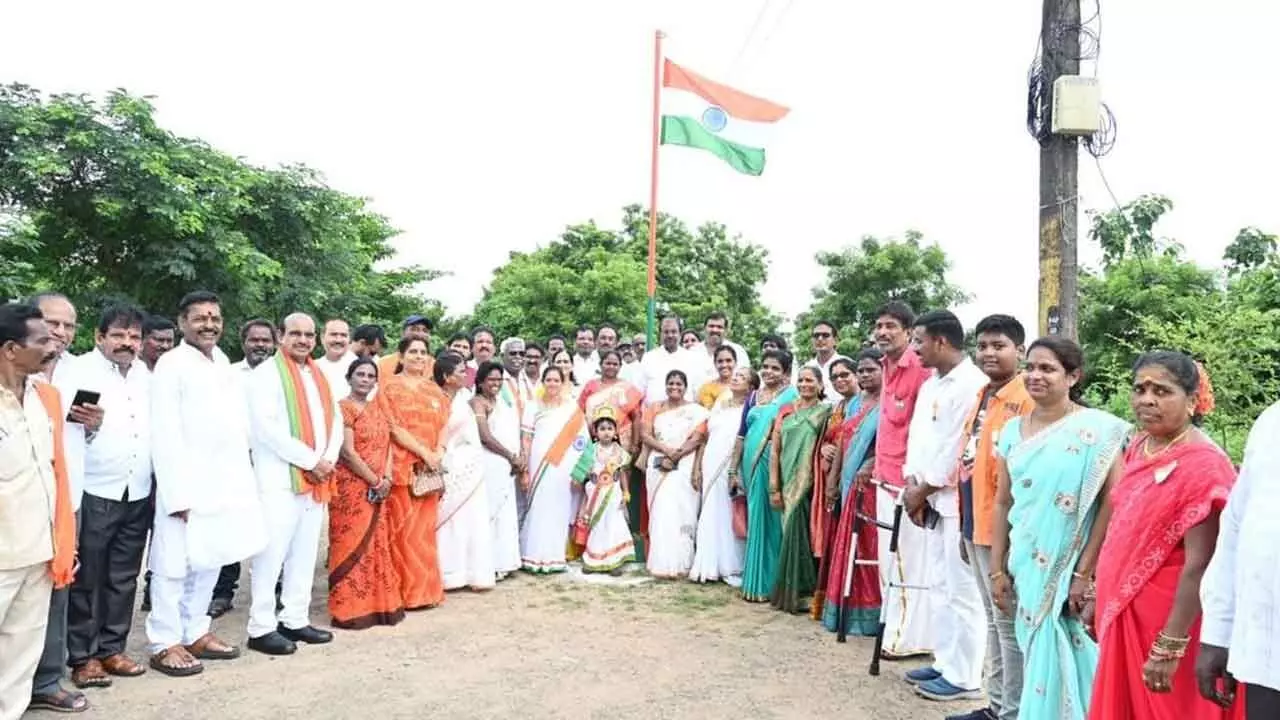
{"x":116,"y":512}
{"x":958,"y":620}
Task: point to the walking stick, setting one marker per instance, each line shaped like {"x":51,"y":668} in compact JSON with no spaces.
{"x":893,"y":550}
{"x":846,"y":591}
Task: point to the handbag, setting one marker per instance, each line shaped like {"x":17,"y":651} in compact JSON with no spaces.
{"x":740,"y":516}
{"x":426,"y":482}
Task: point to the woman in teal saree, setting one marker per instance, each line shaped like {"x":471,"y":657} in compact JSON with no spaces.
{"x":1057,"y":466}
{"x":796,"y":433}
{"x":764,"y":523}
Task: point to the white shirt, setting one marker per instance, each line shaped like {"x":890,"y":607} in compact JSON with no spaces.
{"x":631,"y":373}
{"x":275,"y":450}
{"x":28,"y":490}
{"x":335,"y":371}
{"x":1240,"y":591}
{"x":200,"y":449}
{"x":118,"y":457}
{"x":936,"y":434}
{"x":586,"y":368}
{"x":658,"y":363}
{"x":831,"y":395}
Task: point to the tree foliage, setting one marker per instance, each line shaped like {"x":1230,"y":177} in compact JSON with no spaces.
{"x":99,"y":202}
{"x":596,"y":275}
{"x":1148,"y":296}
{"x":863,"y":277}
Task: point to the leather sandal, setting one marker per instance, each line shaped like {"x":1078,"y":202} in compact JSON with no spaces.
{"x":175,"y":662}
{"x":122,"y":665}
{"x":90,"y":675}
{"x":209,"y":647}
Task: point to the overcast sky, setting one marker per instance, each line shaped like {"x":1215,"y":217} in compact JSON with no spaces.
{"x":485,"y":127}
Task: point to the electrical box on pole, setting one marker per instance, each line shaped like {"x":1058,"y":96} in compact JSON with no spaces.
{"x":1077,"y":101}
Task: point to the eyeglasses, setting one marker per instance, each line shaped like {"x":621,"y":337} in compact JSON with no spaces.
{"x":517,"y":353}
{"x":841,"y":375}
{"x":821,"y":335}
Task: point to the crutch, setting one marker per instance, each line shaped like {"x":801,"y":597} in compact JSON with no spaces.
{"x":846,"y":591}
{"x":895,"y":529}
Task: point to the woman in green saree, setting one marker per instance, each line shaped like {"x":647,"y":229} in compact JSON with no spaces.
{"x":750,"y":475}
{"x":794,"y":442}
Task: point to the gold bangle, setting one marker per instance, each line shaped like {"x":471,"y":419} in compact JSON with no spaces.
{"x":996,"y":575}
{"x":1079,"y":576}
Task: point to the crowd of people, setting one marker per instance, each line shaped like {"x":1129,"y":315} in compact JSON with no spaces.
{"x":965,"y":507}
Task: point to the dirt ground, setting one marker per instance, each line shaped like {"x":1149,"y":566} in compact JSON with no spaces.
{"x":542,"y":648}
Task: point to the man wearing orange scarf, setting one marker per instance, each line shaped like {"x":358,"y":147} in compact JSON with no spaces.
{"x":296,"y":434}
{"x":37,"y":525}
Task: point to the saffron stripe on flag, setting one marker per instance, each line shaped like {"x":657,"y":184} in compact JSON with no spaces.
{"x":734,"y":102}
{"x":686,"y":131}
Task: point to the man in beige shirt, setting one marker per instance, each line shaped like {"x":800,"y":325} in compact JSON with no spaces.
{"x":27,"y":500}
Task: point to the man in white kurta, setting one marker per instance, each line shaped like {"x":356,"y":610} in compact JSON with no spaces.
{"x":207,"y":511}
{"x":668,"y":356}
{"x":1240,"y":637}
{"x":957,"y":620}
{"x":290,"y":471}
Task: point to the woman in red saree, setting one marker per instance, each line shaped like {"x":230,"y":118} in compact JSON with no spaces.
{"x":1164,"y":526}
{"x":417,"y":409}
{"x":364,"y":587}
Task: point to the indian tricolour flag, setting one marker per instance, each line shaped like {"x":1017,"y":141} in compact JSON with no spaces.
{"x":705,"y":114}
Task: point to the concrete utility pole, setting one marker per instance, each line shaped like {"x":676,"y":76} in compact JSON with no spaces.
{"x":1059,"y":192}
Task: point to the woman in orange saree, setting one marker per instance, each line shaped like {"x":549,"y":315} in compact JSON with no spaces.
{"x":1163,"y":530}
{"x":418,"y":410}
{"x":624,"y":399}
{"x":364,"y":587}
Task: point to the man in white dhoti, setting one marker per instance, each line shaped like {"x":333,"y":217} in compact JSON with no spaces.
{"x":936,"y":437}
{"x":905,"y":613}
{"x":207,"y":510}
{"x":296,"y":435}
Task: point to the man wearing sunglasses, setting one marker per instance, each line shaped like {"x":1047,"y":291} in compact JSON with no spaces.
{"x":825,"y":337}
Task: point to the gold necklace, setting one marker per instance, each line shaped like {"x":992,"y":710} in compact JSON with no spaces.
{"x":1146,"y":444}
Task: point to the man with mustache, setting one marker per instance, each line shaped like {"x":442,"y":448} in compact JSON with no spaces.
{"x":207,"y":510}
{"x":61,"y":319}
{"x":257,"y":342}
{"x":37,"y":526}
{"x":297,"y":431}
{"x":115,"y":469}
{"x":337,"y":358}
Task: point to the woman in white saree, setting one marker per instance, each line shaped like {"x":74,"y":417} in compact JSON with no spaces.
{"x":499,"y":408}
{"x":462,"y":532}
{"x":718,"y":553}
{"x":554,"y":438}
{"x":675,"y":431}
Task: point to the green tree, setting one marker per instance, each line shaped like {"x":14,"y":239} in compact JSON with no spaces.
{"x":103,"y":204}
{"x":595,"y":275}
{"x":1147,"y":296}
{"x":863,"y":277}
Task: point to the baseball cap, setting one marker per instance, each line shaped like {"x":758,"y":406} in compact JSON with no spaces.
{"x":418,"y":320}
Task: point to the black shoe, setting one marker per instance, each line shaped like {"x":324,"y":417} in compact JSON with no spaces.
{"x":309,"y":635}
{"x":273,"y":643}
{"x":220,"y":606}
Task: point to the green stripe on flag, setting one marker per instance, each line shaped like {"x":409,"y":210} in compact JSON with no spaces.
{"x":686,"y":131}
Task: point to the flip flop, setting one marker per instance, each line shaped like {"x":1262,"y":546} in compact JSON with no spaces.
{"x":63,"y":701}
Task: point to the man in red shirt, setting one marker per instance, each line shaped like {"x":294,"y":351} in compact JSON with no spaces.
{"x":906,"y":615}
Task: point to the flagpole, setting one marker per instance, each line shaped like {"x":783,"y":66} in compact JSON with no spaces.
{"x":651,"y":325}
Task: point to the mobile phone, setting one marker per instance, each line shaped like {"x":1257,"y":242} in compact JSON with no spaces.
{"x":373,"y":496}
{"x":931,"y":517}
{"x":657,"y":463}
{"x":84,"y":397}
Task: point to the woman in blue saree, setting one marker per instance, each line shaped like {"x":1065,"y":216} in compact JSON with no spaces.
{"x":751,"y":453}
{"x":853,"y":433}
{"x":1057,"y":467}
